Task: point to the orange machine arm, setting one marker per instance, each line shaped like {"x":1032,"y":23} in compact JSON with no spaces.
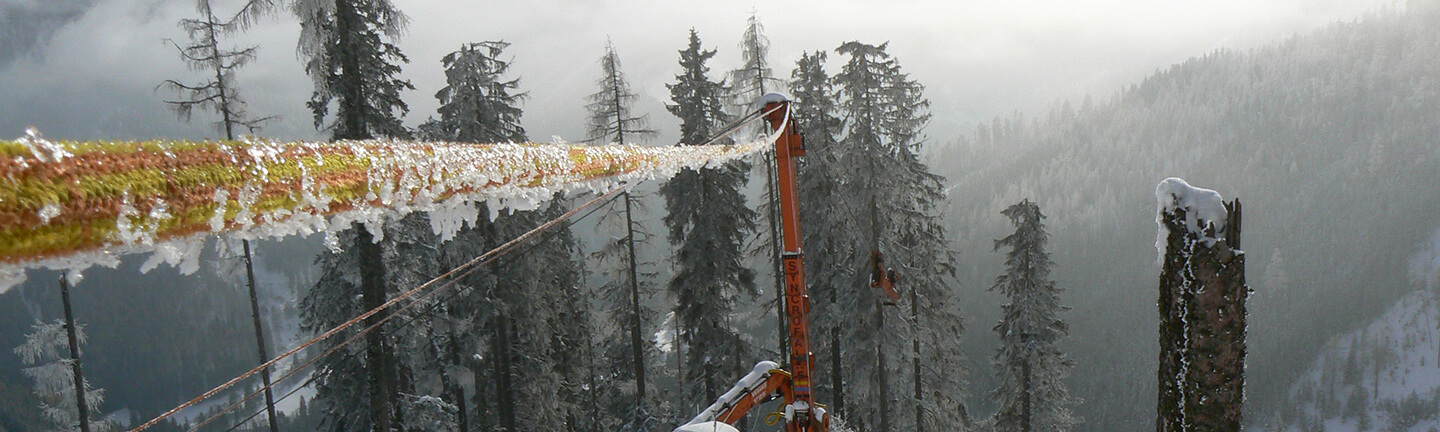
{"x":777,"y":382}
{"x":800,"y":411}
{"x":789,"y":145}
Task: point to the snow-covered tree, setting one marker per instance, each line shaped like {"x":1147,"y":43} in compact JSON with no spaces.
{"x":431,"y":414}
{"x":1276,"y":280}
{"x":895,"y":211}
{"x":708,"y":222}
{"x":626,"y":318}
{"x":219,"y":94}
{"x":349,"y":52}
{"x":46,"y":351}
{"x":611,"y":120}
{"x":1032,"y":369}
{"x":539,"y":329}
{"x":477,"y":104}
{"x":365,"y":385}
{"x":753,"y":79}
{"x":827,"y":240}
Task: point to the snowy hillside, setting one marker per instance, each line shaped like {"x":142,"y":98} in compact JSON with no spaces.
{"x":1383,"y":377}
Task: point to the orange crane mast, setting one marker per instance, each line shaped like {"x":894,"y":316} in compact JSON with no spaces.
{"x":768,"y":382}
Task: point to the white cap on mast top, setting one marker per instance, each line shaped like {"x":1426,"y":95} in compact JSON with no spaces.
{"x":773,"y":97}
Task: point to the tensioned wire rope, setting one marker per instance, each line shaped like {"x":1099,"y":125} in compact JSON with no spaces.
{"x":413,"y":318}
{"x":466,"y":269}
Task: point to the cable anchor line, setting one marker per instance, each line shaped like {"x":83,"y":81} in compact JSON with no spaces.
{"x":452,"y":275}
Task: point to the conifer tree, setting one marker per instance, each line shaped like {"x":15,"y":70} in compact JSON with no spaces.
{"x":349,"y":52}
{"x":895,"y":213}
{"x":753,"y":79}
{"x":1031,"y":367}
{"x":827,"y":241}
{"x":222,"y":96}
{"x":611,"y":120}
{"x":708,"y":222}
{"x":476,"y":104}
{"x":219,"y":94}
{"x":627,"y":319}
{"x":46,"y":353}
{"x":537,"y":331}
{"x":360,"y":387}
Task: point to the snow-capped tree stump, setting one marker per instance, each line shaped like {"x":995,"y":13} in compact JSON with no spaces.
{"x":1202,"y":310}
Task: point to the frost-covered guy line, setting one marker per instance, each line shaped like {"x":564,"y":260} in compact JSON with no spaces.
{"x":70,"y":205}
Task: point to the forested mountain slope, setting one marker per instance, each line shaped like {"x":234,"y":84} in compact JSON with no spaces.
{"x":1380,"y":377}
{"x":1332,"y":141}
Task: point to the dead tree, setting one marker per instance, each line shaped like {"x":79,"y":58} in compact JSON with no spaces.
{"x":1202,"y":311}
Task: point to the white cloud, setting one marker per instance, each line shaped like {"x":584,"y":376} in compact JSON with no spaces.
{"x":978,"y":58}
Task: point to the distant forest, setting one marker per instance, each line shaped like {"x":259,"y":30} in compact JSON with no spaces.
{"x":1332,"y":141}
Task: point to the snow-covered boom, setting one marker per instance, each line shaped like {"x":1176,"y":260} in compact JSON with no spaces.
{"x":768,"y":381}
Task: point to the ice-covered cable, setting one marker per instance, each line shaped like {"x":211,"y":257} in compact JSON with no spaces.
{"x":71,"y":205}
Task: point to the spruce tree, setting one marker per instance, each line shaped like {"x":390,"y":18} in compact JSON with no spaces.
{"x":361,"y":387}
{"x":895,"y":213}
{"x":827,"y":240}
{"x":477,"y":104}
{"x":753,"y":79}
{"x":349,"y":52}
{"x":537,"y":332}
{"x":45,"y":352}
{"x":1031,"y":367}
{"x":708,"y":222}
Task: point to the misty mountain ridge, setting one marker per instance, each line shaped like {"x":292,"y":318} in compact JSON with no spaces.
{"x":1329,"y":139}
{"x":1381,"y":377}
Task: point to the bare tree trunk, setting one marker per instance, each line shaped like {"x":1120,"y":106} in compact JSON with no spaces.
{"x":504,"y":389}
{"x":915,"y":345}
{"x":837,"y":382}
{"x":1025,"y":414}
{"x":1202,"y":328}
{"x":637,"y":349}
{"x":259,"y":334}
{"x":352,"y":103}
{"x":82,"y":409}
{"x":372,"y":292}
{"x":461,"y":411}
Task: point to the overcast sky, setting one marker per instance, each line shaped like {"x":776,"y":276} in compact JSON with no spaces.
{"x":94,"y":67}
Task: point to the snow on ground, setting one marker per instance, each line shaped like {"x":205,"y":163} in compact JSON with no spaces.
{"x":1383,"y":377}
